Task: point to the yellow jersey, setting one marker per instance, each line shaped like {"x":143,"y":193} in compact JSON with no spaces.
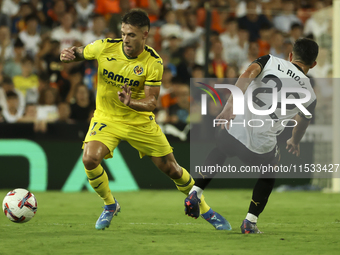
{"x":115,"y":69}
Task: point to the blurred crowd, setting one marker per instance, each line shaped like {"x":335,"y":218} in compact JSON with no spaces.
{"x":36,"y":87}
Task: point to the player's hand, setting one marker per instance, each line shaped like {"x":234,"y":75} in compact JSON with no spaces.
{"x":292,"y":147}
{"x":68,"y":54}
{"x":125,"y":95}
{"x":226,"y":114}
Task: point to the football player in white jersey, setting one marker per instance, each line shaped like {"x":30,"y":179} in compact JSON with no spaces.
{"x":253,"y":145}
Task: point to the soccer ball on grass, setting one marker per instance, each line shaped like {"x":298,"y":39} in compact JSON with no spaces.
{"x":19,"y":205}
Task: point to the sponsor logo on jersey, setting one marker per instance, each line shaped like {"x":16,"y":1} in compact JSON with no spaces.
{"x":93,"y":133}
{"x":117,"y":78}
{"x":138,"y":70}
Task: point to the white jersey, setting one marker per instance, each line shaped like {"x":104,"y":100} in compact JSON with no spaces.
{"x":258,"y":132}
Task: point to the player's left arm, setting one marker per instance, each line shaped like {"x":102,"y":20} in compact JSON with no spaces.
{"x":303,"y":121}
{"x":147,"y":104}
{"x":293,"y":143}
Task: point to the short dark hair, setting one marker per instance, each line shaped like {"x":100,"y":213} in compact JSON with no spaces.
{"x":27,"y":59}
{"x":305,"y":50}
{"x":295,"y":25}
{"x":18,"y":43}
{"x":7,"y":80}
{"x":137,"y":18}
{"x":31,"y":17}
{"x":11,"y":94}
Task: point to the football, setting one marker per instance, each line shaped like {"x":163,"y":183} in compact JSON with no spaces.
{"x":19,"y":205}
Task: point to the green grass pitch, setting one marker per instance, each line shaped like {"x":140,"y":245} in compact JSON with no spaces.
{"x":153,"y":222}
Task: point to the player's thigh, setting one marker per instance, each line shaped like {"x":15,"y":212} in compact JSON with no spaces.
{"x":104,"y":133}
{"x":149,"y":140}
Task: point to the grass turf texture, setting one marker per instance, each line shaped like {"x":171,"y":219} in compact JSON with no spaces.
{"x":153,"y":222}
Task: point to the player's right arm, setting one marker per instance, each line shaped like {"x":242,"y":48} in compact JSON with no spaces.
{"x":88,"y":52}
{"x":72,"y":54}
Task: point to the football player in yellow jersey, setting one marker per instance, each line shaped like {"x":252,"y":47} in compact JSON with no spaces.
{"x":129,"y":79}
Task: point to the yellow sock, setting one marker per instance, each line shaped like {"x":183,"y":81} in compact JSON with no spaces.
{"x":184,"y":185}
{"x":100,"y":183}
{"x":204,"y":207}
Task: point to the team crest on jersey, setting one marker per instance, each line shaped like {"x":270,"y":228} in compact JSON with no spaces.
{"x":138,"y":70}
{"x":93,"y":133}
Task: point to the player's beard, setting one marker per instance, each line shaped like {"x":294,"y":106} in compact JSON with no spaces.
{"x":132,"y":50}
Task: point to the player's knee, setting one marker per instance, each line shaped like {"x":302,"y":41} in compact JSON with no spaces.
{"x":90,"y":161}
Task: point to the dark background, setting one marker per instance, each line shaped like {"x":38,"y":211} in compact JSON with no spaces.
{"x":62,"y":145}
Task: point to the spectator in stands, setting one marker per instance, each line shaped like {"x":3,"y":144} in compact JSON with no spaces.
{"x":82,"y":109}
{"x":287,"y":48}
{"x":276,"y":48}
{"x":229,"y":38}
{"x":184,"y":69}
{"x":217,"y":16}
{"x":238,"y":55}
{"x":197,"y":71}
{"x":6,"y":46}
{"x":191,"y":33}
{"x":318,"y":23}
{"x":56,"y":13}
{"x":84,"y":9}
{"x":107,"y":7}
{"x":27,"y":80}
{"x":264,"y":40}
{"x":30,"y":115}
{"x":252,"y":21}
{"x":232,"y":72}
{"x":170,"y":28}
{"x":4,"y":18}
{"x":200,"y":48}
{"x":284,"y":21}
{"x":18,"y":21}
{"x":97,"y":31}
{"x":174,"y":50}
{"x":152,"y":7}
{"x":166,"y":62}
{"x":75,"y":77}
{"x":179,"y":112}
{"x":324,"y":66}
{"x":6,"y":86}
{"x":48,"y":58}
{"x":10,"y":7}
{"x":30,"y":36}
{"x":12,"y":66}
{"x":47,"y":109}
{"x":253,"y":54}
{"x":295,"y":32}
{"x":64,"y":112}
{"x":116,"y":18}
{"x":166,"y":81}
{"x":11,"y":112}
{"x":180,"y":4}
{"x":65,"y":34}
{"x":218,"y":65}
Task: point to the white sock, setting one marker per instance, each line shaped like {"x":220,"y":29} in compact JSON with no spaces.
{"x":251,"y":217}
{"x":198,"y":190}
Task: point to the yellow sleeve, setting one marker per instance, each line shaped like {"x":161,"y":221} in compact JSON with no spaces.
{"x":155,"y":73}
{"x":93,"y":50}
